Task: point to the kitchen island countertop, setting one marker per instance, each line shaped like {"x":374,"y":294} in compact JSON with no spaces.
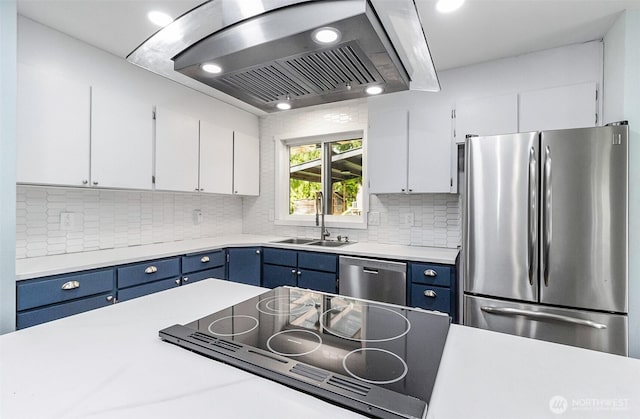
{"x":110,"y":363}
{"x":72,"y":262}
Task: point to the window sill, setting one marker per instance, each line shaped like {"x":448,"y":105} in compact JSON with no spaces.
{"x":329,"y":223}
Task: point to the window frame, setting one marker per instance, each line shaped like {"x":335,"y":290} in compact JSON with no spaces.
{"x":282,"y":216}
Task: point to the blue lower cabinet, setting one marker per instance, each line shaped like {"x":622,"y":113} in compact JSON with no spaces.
{"x":203,"y":261}
{"x":275,"y":276}
{"x":318,"y":281}
{"x":431,"y":298}
{"x":244,"y":265}
{"x":58,"y":311}
{"x":218,"y":273}
{"x":150,"y":288}
{"x":146,"y":272}
{"x":318,"y":261}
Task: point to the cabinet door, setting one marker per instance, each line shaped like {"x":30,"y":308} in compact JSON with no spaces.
{"x":244,"y":265}
{"x":486,"y":116}
{"x":430,"y":150}
{"x":216,"y":158}
{"x":246,"y":164}
{"x":176,"y":151}
{"x":558,"y":108}
{"x":275,"y":276}
{"x":387,"y":142}
{"x":121,"y":141}
{"x":52,"y":129}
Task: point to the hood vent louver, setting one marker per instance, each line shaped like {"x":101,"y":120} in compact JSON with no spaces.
{"x":268,"y":54}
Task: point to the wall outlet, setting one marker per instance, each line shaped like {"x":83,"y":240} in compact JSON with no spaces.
{"x":406,"y":219}
{"x":198,"y":218}
{"x":68,"y":221}
{"x":374,"y":218}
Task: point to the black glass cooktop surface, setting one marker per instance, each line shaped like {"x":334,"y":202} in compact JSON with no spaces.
{"x":376,"y":358}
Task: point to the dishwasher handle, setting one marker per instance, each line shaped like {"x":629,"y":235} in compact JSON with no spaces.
{"x":370,"y":270}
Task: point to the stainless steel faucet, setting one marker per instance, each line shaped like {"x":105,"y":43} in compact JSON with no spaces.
{"x":324,"y":233}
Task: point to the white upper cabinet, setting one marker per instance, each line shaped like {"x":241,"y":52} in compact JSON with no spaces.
{"x":430,"y":150}
{"x":176,"y":151}
{"x":216,"y":159}
{"x":409,"y":150}
{"x":562,"y":107}
{"x":487,"y":116}
{"x":53,"y":129}
{"x":387,"y":147}
{"x":246,"y":164}
{"x":121,"y":141}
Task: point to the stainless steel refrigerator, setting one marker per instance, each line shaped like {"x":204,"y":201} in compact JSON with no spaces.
{"x":545,"y":236}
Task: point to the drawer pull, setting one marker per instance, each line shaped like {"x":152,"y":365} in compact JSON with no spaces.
{"x":430,"y":272}
{"x":185,"y":279}
{"x":71,"y":285}
{"x":110,"y":299}
{"x":151,"y":270}
{"x":178,"y":281}
{"x":293,"y":271}
{"x":430,"y":294}
{"x":204,"y":259}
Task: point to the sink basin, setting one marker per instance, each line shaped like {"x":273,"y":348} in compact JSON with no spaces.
{"x":327,"y":243}
{"x":296,"y":240}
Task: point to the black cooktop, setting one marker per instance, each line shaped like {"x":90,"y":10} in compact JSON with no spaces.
{"x":379,"y":359}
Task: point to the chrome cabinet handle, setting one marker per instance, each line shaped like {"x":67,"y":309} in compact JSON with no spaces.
{"x":537,"y":315}
{"x":532,"y":211}
{"x":70,"y":285}
{"x":204,"y":259}
{"x":293,"y":271}
{"x":185,"y":279}
{"x":299,"y":273}
{"x":151,"y":270}
{"x":84,"y":182}
{"x":430,"y":293}
{"x":178,"y":281}
{"x":546,"y":215}
{"x":95,"y":183}
{"x":111,"y":299}
{"x":430,"y":272}
{"x":257,"y":252}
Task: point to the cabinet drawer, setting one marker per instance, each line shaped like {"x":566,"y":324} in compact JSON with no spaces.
{"x":218,"y":273}
{"x":202,"y":261}
{"x":280,"y":257}
{"x":55,"y":289}
{"x":150,"y":288}
{"x":318,"y":261}
{"x":440,"y":299}
{"x":318,"y":281}
{"x":42,"y":315}
{"x":150,"y":271}
{"x":428,"y":273}
{"x":274,"y":276}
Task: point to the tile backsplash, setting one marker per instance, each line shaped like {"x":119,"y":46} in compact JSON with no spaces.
{"x":105,"y":219}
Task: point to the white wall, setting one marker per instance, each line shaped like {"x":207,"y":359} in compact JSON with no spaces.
{"x":437,"y":216}
{"x":613,"y":89}
{"x":7,"y":164}
{"x":108,"y":219}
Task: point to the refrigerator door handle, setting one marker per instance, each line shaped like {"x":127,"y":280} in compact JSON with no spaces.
{"x":546,"y":215}
{"x":532,"y":218}
{"x":537,"y":315}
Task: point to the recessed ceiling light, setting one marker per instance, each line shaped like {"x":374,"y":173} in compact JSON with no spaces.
{"x":447,"y":6}
{"x":326,"y":35}
{"x":211,"y":68}
{"x":373,"y":90}
{"x":159,"y":18}
{"x":283,"y":106}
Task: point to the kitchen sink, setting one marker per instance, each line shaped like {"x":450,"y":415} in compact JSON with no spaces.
{"x":296,"y":240}
{"x":328,"y":243}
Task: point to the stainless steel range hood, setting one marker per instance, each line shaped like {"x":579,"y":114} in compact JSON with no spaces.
{"x":268,"y":55}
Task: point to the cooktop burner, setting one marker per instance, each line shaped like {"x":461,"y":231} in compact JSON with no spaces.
{"x":376,"y":358}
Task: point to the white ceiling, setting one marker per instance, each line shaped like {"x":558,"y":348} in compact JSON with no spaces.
{"x":481,"y":30}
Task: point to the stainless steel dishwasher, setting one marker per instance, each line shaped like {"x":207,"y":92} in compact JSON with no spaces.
{"x":373,"y":279}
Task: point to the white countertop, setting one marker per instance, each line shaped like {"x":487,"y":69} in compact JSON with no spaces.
{"x":110,"y":363}
{"x":73,"y":262}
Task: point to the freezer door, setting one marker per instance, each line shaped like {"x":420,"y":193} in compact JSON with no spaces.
{"x":501,"y":216}
{"x":583,"y":244}
{"x":598,"y":331}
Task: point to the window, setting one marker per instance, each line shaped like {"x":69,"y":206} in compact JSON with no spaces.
{"x":331,"y":164}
